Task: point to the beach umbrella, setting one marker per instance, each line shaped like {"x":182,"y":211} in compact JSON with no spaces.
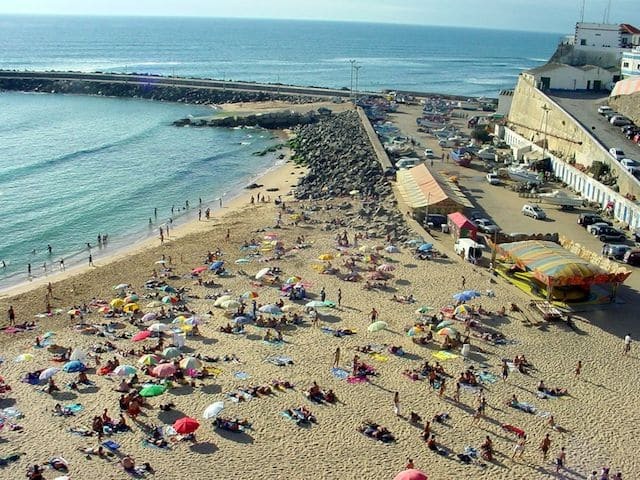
{"x":444,"y":323}
{"x":124,"y":371}
{"x":241,"y":320}
{"x":473,"y":293}
{"x":186,"y":425}
{"x":271,"y":309}
{"x":171,"y":352}
{"x":198,"y":270}
{"x":413,"y":242}
{"x":292,"y":280}
{"x":149,"y":359}
{"x":164,"y":370}
{"x":448,"y":331}
{"x":230,"y":304}
{"x":242,"y":260}
{"x":221,"y":299}
{"x":249,"y":295}
{"x":377,"y":326}
{"x":143,"y":335}
{"x":104,"y":309}
{"x":168,"y":289}
{"x":190,"y":363}
{"x":154,"y":304}
{"x":315,"y":304}
{"x":216,"y":265}
{"x":424,"y":309}
{"x":160,"y":262}
{"x":169,"y":299}
{"x":385,"y":267}
{"x":147,"y":317}
{"x":25,"y":357}
{"x":152,"y":390}
{"x":131,"y":298}
{"x":78,"y":354}
{"x":178,"y":320}
{"x":411,"y":474}
{"x":158,"y":327}
{"x":325,"y":257}
{"x":290,"y":307}
{"x":462,"y":297}
{"x":271,"y":236}
{"x":74,"y":366}
{"x":131,"y":307}
{"x":193,"y":321}
{"x":213,"y":410}
{"x":48,"y":373}
{"x":413,"y":331}
{"x":462,"y":310}
{"x":262,"y":273}
{"x":425,"y":247}
{"x":74,"y":311}
{"x":122,"y":286}
{"x":117,"y":302}
{"x":391,"y":249}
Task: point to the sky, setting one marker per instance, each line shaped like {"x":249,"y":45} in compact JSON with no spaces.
{"x":557,"y":16}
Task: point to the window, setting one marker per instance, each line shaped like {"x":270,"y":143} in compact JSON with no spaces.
{"x":583,"y":41}
{"x":625,"y":64}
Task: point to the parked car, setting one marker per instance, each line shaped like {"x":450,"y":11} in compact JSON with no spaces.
{"x":616,"y":251}
{"x":610,"y":234}
{"x":435,"y":220}
{"x":632,"y":257}
{"x":586,"y":219}
{"x":616,"y":153}
{"x":630,"y":165}
{"x":429,"y":153}
{"x":604,"y":109}
{"x":534,"y":211}
{"x":487,"y":153}
{"x":619,"y":120}
{"x":493,"y":179}
{"x":595,"y":228}
{"x":609,"y":115}
{"x":486,"y":226}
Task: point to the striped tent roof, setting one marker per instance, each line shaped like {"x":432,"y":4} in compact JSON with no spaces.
{"x":419,"y":188}
{"x":553,"y":265}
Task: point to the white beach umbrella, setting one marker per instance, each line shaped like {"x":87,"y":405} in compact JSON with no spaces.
{"x":158,"y":327}
{"x":213,"y":410}
{"x":262,"y":273}
{"x":48,"y":373}
{"x":78,"y":354}
{"x":221,"y":299}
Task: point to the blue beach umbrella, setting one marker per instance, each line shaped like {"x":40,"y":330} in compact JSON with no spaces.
{"x":425,"y":247}
{"x":74,"y":366}
{"x":242,"y":320}
{"x":216,"y":265}
{"x":462,"y":296}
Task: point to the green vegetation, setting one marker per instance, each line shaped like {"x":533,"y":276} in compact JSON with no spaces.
{"x":270,"y":149}
{"x":481,"y":134}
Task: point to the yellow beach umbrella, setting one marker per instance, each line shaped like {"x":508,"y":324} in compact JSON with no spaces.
{"x":131,"y":307}
{"x":325,"y":257}
{"x":117,"y":302}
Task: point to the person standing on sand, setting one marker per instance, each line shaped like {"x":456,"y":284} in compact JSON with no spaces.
{"x":505,"y":370}
{"x":464,"y":282}
{"x":627,"y":344}
{"x":199,"y":214}
{"x":396,"y":404}
{"x":410,"y":465}
{"x":518,"y":450}
{"x":373,"y":315}
{"x":545,"y":444}
{"x":456,"y":394}
{"x":220,"y":202}
{"x":336,"y":358}
{"x":578,"y":368}
{"x":443,"y":388}
{"x":561,"y":459}
{"x":161,"y":236}
{"x":29,"y":269}
{"x":90,"y":260}
{"x":62,"y":264}
{"x":11,"y":315}
{"x":339,"y":297}
{"x":323,"y":295}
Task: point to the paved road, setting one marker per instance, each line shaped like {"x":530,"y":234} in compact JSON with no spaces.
{"x":584,"y":108}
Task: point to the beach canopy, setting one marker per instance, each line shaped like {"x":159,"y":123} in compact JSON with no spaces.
{"x":74,"y":366}
{"x":138,"y":337}
{"x":152,"y":390}
{"x":553,"y":265}
{"x":424,"y":309}
{"x":25,"y":357}
{"x":198,"y":270}
{"x":190,"y":363}
{"x":124,"y":371}
{"x":78,"y":354}
{"x":271,"y":309}
{"x":216,"y":265}
{"x":164,"y":370}
{"x":213,"y":410}
{"x":262,"y":273}
{"x":377,"y":326}
{"x":449,"y":332}
{"x":425,"y":247}
{"x":230,"y":304}
{"x":158,"y":327}
{"x":148,"y":317}
{"x":316,"y":304}
{"x":444,"y":323}
{"x":171,"y":352}
{"x":121,"y":286}
{"x":249,"y":295}
{"x":117,"y":302}
{"x":221,"y":299}
{"x":411,"y":474}
{"x":149,"y":359}
{"x":48,"y":373}
{"x":186,"y":425}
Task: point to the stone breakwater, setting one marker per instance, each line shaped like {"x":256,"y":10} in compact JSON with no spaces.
{"x":341,"y":162}
{"x":150,"y":91}
{"x":271,"y":121}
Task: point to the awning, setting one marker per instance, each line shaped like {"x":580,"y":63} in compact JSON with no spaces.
{"x":419,"y":188}
{"x":553,"y":265}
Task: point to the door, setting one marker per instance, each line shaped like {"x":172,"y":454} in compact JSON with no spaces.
{"x":588,"y":84}
{"x":597,"y":84}
{"x":545,"y":83}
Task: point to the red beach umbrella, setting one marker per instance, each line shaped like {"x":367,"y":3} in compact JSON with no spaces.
{"x":186,"y":425}
{"x":164,"y":370}
{"x":411,"y":474}
{"x":138,"y":337}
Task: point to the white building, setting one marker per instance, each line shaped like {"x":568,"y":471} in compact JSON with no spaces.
{"x":559,"y":76}
{"x":630,"y":65}
{"x":604,"y":36}
{"x":505,"y":98}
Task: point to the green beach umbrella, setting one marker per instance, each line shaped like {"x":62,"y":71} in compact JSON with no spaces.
{"x":152,"y":390}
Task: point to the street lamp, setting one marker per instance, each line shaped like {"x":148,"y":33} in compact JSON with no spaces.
{"x":357,"y":69}
{"x":353,"y":63}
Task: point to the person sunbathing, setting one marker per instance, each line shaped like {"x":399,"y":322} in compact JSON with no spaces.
{"x":99,"y":451}
{"x":441,"y":417}
{"x":329,"y":396}
{"x":364,"y":349}
{"x":51,"y":387}
{"x":314,"y":392}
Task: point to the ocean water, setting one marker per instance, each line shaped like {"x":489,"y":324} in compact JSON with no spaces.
{"x":72,"y":167}
{"x":432,"y":59}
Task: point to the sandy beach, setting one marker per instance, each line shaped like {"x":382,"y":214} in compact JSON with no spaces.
{"x":596,"y":420}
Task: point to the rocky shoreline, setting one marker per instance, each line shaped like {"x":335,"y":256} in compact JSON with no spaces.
{"x":271,"y":121}
{"x":150,"y":91}
{"x":342,"y":163}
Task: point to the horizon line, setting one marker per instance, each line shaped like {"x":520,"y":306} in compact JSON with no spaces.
{"x":371,"y":22}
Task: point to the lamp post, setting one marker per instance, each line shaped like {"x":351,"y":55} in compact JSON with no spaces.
{"x":353,"y":63}
{"x":357,"y":69}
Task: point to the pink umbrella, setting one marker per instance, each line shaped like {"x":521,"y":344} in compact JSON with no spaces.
{"x":164,"y":370}
{"x":186,"y":425}
{"x":198,"y":270}
{"x":138,"y":337}
{"x":411,"y":474}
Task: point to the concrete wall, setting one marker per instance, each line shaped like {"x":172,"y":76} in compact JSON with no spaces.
{"x":624,"y":210}
{"x":628,"y":105}
{"x":566,"y":138}
{"x":567,"y":77}
{"x":379,"y":150}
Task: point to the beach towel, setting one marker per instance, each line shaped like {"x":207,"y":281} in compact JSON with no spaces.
{"x":11,"y":412}
{"x":487,"y":377}
{"x":111,"y":445}
{"x":444,"y":355}
{"x":274,"y":343}
{"x":351,"y":379}
{"x":379,"y":357}
{"x":147,"y":444}
{"x":74,"y":407}
{"x":280,"y":360}
{"x":340,"y":373}
{"x":4,"y":461}
{"x":213,"y":371}
{"x":470,"y":388}
{"x":241,"y":375}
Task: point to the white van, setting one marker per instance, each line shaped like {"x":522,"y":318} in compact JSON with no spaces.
{"x":408,"y":162}
{"x":468,"y":249}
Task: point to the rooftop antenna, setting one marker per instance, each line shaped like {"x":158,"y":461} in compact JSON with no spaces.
{"x":606,"y":12}
{"x":582,"y":11}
